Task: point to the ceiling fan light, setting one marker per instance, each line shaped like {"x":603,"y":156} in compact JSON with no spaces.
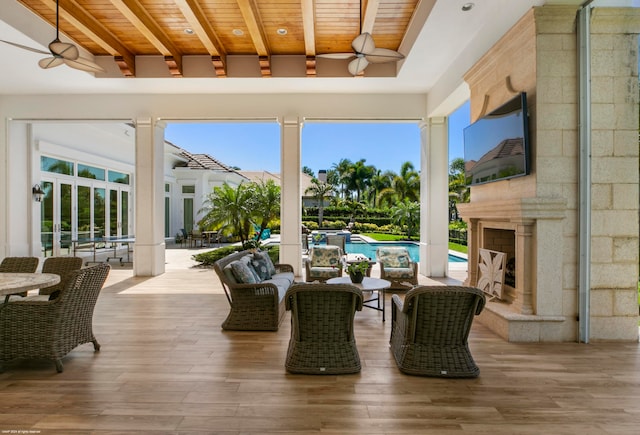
{"x":64,"y":50}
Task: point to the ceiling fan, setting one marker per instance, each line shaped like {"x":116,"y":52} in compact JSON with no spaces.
{"x":364,"y":53}
{"x":61,"y":52}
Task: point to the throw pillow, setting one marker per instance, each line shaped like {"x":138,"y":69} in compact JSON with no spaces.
{"x":264,"y":255}
{"x":261,"y":267}
{"x":243,"y":273}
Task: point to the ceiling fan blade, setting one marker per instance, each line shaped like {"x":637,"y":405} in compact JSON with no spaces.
{"x":24,"y":47}
{"x":336,"y":55}
{"x":64,"y":49}
{"x":382,"y":55}
{"x":50,"y":62}
{"x":357,"y":65}
{"x":363,"y":43}
{"x":83,"y":65}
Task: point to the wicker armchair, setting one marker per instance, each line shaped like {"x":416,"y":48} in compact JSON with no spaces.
{"x":338,"y":240}
{"x":429,"y":331}
{"x":52,"y":329}
{"x":397,"y":267}
{"x":62,"y":266}
{"x":324,"y":262}
{"x":322,"y":339}
{"x":19,"y":265}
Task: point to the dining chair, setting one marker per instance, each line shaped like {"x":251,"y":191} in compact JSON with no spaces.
{"x":62,"y":266}
{"x":37,"y":329}
{"x":322,"y":339}
{"x":19,"y":265}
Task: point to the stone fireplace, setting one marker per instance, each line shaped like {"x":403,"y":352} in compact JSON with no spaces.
{"x":529,"y":231}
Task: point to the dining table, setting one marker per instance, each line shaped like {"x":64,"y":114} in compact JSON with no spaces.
{"x":13,"y":283}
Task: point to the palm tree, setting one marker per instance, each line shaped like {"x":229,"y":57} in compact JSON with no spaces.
{"x":229,"y":209}
{"x":342,"y":168}
{"x":379,"y":182}
{"x":406,"y":214}
{"x":320,"y":191}
{"x":405,"y":185}
{"x":359,"y":177}
{"x":458,"y":190}
{"x":265,"y":203}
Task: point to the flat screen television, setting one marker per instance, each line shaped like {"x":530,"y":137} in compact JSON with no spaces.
{"x":496,"y":146}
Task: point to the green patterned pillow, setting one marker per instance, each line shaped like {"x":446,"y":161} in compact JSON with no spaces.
{"x":243,"y":273}
{"x":261,"y":267}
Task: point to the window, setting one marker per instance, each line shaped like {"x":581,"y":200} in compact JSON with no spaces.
{"x":118,"y":177}
{"x":86,"y":171}
{"x":189,"y":189}
{"x":49,"y":164}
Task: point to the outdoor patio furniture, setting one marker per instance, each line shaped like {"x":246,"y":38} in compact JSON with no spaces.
{"x":338,"y":240}
{"x":324,"y":262}
{"x":430,"y":329}
{"x":257,"y":304}
{"x":52,"y":329}
{"x":397,"y":267}
{"x":322,"y":339}
{"x":62,"y":266}
{"x":19,"y":265}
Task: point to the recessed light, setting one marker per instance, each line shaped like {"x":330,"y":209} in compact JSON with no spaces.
{"x":281,"y":31}
{"x":237,"y":32}
{"x":189,"y":31}
{"x":467,"y":7}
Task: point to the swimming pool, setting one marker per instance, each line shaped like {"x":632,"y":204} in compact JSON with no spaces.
{"x":369,"y":250}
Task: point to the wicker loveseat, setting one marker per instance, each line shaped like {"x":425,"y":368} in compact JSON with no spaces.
{"x":257,"y":304}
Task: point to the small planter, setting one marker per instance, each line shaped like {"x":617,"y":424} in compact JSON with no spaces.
{"x":356,"y":277}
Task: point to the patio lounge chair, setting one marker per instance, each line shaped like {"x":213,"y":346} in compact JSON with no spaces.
{"x":324,"y":262}
{"x":429,"y":331}
{"x":52,"y":329}
{"x":322,"y":339}
{"x":337,"y":240}
{"x":397,"y":267}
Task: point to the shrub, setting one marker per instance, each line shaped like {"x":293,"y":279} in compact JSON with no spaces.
{"x":210,"y":257}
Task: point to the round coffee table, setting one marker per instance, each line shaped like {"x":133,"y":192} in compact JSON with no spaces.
{"x":368,"y":285}
{"x":12,"y":283}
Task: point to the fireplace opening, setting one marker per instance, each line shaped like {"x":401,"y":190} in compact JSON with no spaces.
{"x":503,"y":240}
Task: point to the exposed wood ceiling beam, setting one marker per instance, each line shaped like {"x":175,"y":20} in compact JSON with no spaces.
{"x":369,"y":15}
{"x":308,"y":26}
{"x":197,"y":19}
{"x":251,"y":16}
{"x":145,"y":24}
{"x":76,"y":15}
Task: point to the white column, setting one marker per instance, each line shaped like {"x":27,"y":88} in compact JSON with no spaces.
{"x":291,"y":202}
{"x":148,"y":254}
{"x":434,"y":198}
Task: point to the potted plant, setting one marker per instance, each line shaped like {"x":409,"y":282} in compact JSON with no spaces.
{"x":251,"y":245}
{"x":357,"y":271}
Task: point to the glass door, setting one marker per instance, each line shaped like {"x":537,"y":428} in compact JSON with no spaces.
{"x":56,"y":217}
{"x":119,"y":212}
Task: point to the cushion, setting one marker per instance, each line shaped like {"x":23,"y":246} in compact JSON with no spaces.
{"x":243,"y":273}
{"x":261,"y":266}
{"x":228,"y":273}
{"x":394,"y":257}
{"x":289,"y":276}
{"x":326,"y":256}
{"x":265,"y":256}
{"x":283,"y":285}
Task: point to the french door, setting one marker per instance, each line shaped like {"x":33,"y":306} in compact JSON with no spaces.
{"x":78,"y":209}
{"x":56,"y":217}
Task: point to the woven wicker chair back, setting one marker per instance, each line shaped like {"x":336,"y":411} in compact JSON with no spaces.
{"x":62,"y":266}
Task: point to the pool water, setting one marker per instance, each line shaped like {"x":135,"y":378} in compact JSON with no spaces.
{"x":369,"y":250}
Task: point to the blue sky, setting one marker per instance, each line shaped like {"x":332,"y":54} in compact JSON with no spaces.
{"x":256,"y":146}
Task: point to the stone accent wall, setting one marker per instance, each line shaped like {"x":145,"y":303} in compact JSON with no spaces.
{"x":539,"y":56}
{"x":615,"y":154}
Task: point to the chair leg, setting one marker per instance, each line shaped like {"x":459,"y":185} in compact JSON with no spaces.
{"x":59,"y":367}
{"x":96,"y":345}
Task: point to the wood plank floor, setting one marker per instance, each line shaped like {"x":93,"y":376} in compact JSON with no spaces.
{"x":166,"y":367}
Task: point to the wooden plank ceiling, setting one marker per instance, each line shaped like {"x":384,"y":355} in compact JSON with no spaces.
{"x":219,"y":29}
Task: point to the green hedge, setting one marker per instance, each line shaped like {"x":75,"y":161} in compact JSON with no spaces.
{"x":210,"y":257}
